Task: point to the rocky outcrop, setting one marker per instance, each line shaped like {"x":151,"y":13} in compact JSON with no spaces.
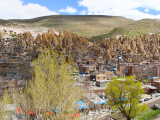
{"x":142,"y":45}
{"x":156,"y":106}
{"x":38,"y":39}
{"x":1,"y":35}
{"x":107,"y":55}
{"x":54,"y":39}
{"x":65,"y":41}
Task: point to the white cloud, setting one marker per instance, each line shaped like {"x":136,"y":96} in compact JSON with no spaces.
{"x":14,"y":9}
{"x":146,"y":10}
{"x":68,"y":10}
{"x":83,"y":12}
{"x":126,"y":8}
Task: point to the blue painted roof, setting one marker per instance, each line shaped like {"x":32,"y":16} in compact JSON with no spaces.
{"x":123,"y":98}
{"x":82,"y":107}
{"x":55,"y":110}
{"x":153,"y":87}
{"x":113,"y":68}
{"x":80,"y":102}
{"x":152,"y":77}
{"x":100,"y":103}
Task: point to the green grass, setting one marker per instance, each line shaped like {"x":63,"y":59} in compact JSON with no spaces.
{"x":98,"y":37}
{"x":12,"y":35}
{"x":144,"y":80}
{"x":4,"y":33}
{"x":148,"y":115}
{"x":136,"y":28}
{"x":83,"y":25}
{"x":27,"y":43}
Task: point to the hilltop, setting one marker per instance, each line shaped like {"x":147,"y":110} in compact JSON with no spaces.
{"x":93,"y":27}
{"x":83,"y":25}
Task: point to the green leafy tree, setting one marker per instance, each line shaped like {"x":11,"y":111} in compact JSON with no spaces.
{"x":52,"y":85}
{"x":4,"y":102}
{"x":21,"y":99}
{"x":123,"y":94}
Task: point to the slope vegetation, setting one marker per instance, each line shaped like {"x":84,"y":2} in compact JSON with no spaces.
{"x":138,"y":27}
{"x":83,"y":25}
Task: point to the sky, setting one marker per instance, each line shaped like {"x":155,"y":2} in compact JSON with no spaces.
{"x":27,"y":9}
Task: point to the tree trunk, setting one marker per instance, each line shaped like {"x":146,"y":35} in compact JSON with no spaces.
{"x":128,"y":118}
{"x":125,"y":115}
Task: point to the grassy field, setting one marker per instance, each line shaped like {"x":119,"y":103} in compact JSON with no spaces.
{"x":136,"y":28}
{"x":84,"y":25}
{"x":148,"y":115}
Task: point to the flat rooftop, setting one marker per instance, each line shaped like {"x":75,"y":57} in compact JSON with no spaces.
{"x":96,"y":88}
{"x":103,"y":80}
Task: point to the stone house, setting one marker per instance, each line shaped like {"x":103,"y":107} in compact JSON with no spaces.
{"x":109,"y":75}
{"x":4,"y":55}
{"x":87,"y":68}
{"x":98,"y":76}
{"x":155,"y":81}
{"x":101,"y":66}
{"x":102,"y":83}
{"x":4,"y":66}
{"x":87,"y":65}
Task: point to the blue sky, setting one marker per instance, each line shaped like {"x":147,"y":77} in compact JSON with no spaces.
{"x":54,"y":5}
{"x":26,"y":9}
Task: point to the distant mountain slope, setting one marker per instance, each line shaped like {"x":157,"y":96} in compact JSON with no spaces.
{"x":84,"y":25}
{"x":4,"y":22}
{"x":138,"y":27}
